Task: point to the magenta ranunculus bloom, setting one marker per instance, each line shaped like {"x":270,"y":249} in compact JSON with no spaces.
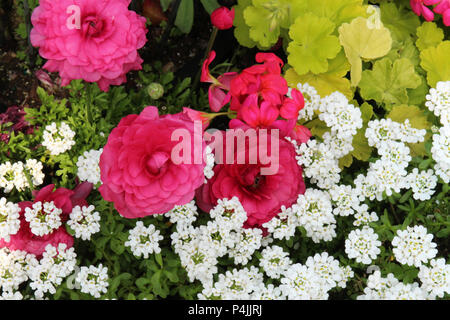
{"x":261,"y":195}
{"x":96,"y":41}
{"x":222,"y":18}
{"x":138,"y":171}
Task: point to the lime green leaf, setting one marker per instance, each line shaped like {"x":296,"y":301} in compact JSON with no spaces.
{"x":429,"y":35}
{"x":312,"y":44}
{"x":417,"y":119}
{"x":436,"y":62}
{"x":242,"y":30}
{"x":361,"y":149}
{"x":406,"y":49}
{"x":337,"y":11}
{"x":387,"y":82}
{"x":363,"y":41}
{"x":317,"y":127}
{"x":402,"y":22}
{"x":328,"y":82}
{"x":346,"y":161}
{"x":417,"y":96}
{"x":366,"y":112}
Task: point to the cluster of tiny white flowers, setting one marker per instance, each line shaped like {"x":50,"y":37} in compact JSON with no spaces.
{"x":247,"y":242}
{"x":343,"y":118}
{"x":88,"y":168}
{"x":414,"y":246}
{"x":312,"y":101}
{"x":208,"y":170}
{"x":9,"y":219}
{"x":389,"y":288}
{"x":362,"y":245}
{"x":43,"y":218}
{"x":438,"y":101}
{"x":274,"y":261}
{"x":236,"y":284}
{"x":330,"y":270}
{"x":12,"y":175}
{"x":93,"y":280}
{"x":345,"y":200}
{"x":14,"y":268}
{"x":319,"y":163}
{"x":422,"y":183}
{"x":388,"y":130}
{"x":363,"y":216}
{"x":184,"y":214}
{"x":84,"y":221}
{"x":144,"y":240}
{"x":440,"y":151}
{"x":9,"y":295}
{"x":58,"y":138}
{"x":436,"y":278}
{"x":314,"y":212}
{"x":55,"y":265}
{"x":300,"y":282}
{"x":283,"y":225}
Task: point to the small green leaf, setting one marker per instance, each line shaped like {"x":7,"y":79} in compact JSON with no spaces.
{"x":185,"y":16}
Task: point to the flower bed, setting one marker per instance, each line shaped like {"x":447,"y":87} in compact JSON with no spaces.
{"x":311,"y":162}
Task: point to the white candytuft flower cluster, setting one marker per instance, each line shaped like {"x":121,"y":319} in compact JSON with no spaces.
{"x":363,"y":216}
{"x":88,"y":166}
{"x":389,"y":288}
{"x":58,"y":138}
{"x":362,"y":245}
{"x":413,"y":246}
{"x":144,"y":240}
{"x":9,"y":219}
{"x":209,"y":168}
{"x":237,"y":284}
{"x":55,"y":265}
{"x":440,"y":151}
{"x":283,"y":225}
{"x":312,"y":101}
{"x":384,"y":130}
{"x":93,"y":280}
{"x":343,"y":118}
{"x":84,"y":221}
{"x":185,"y":214}
{"x":436,"y":278}
{"x":422,"y":183}
{"x":14,"y":268}
{"x":438,"y":101}
{"x":314,"y":212}
{"x":274,"y":261}
{"x":345,"y":200}
{"x":43,"y":218}
{"x":13,"y":175}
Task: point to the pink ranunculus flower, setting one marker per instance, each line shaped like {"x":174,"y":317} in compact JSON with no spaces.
{"x":62,"y":198}
{"x":420,"y":8}
{"x":138,"y":171}
{"x":219,"y":90}
{"x":222,"y":18}
{"x":96,"y":41}
{"x":261,"y":195}
{"x":443,"y":8}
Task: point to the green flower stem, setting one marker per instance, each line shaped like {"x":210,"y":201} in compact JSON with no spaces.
{"x":212,"y":38}
{"x":88,"y":105}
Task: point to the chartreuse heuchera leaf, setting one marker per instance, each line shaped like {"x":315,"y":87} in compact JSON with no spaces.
{"x":402,"y":22}
{"x":362,"y":40}
{"x":312,"y":44}
{"x":328,"y":82}
{"x":337,"y":11}
{"x":418,"y":119}
{"x":429,"y":35}
{"x":436,"y":62}
{"x":387,"y":81}
{"x":266,"y":18}
{"x":242,"y":30}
